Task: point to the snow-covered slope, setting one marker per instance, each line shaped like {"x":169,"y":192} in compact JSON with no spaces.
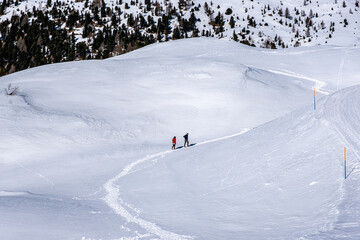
{"x":84,"y":146}
{"x":282,"y":180}
{"x":285,"y":23}
{"x":35,"y":33}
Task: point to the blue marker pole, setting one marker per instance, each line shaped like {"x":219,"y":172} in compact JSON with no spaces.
{"x":314,"y":100}
{"x":345,"y":161}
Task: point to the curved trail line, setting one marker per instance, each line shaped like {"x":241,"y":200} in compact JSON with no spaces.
{"x":343,"y":119}
{"x":341,"y":70}
{"x":35,"y":173}
{"x":318,"y":84}
{"x":114,"y":201}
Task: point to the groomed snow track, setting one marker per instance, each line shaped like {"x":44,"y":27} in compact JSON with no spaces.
{"x":114,"y":201}
{"x":340,"y":109}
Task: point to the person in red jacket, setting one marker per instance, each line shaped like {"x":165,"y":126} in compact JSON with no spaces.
{"x":173,"y":143}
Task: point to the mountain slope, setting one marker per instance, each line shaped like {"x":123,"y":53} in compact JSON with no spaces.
{"x":282,"y":180}
{"x":77,"y":132}
{"x":35,"y":33}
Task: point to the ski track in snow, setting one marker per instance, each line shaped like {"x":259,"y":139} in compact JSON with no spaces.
{"x":341,"y":119}
{"x":318,"y":84}
{"x":36,"y":173}
{"x":114,"y":201}
{"x":113,"y":198}
{"x":332,"y":112}
{"x":345,"y":121}
{"x":341,"y":69}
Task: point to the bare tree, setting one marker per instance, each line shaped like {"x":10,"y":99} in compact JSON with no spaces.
{"x":311,"y":14}
{"x":11,"y":90}
{"x":322,"y":24}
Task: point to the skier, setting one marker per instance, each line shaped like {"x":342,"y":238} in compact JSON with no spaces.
{"x":186,"y":137}
{"x":173,"y":143}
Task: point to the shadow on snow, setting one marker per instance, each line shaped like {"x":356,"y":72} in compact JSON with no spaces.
{"x":193,"y":144}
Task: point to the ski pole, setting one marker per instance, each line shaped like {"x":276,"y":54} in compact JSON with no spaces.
{"x":314,"y":100}
{"x":345,"y":161}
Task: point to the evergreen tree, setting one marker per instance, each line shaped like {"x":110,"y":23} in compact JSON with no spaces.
{"x":176,"y":33}
{"x":232,"y":22}
{"x":235,"y":37}
{"x":287,"y":13}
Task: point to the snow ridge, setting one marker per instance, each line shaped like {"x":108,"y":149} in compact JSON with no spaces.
{"x":319,"y":85}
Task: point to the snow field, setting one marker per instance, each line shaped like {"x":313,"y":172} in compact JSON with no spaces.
{"x":77,"y":145}
{"x":261,"y":184}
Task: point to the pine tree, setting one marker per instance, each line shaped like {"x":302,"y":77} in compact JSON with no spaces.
{"x":228,"y":11}
{"x":287,"y":13}
{"x":3,"y":7}
{"x":232,"y":22}
{"x":176,"y":33}
{"x":235,"y":37}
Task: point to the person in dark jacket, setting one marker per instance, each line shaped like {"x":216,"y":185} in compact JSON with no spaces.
{"x":186,"y":137}
{"x":173,"y":143}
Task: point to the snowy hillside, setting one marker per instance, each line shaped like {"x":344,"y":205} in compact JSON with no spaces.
{"x":303,"y":22}
{"x":35,"y":33}
{"x":85,"y":146}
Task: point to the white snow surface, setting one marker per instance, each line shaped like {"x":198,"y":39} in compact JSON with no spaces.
{"x":85,"y":146}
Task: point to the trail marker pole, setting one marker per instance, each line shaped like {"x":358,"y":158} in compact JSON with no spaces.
{"x":314,"y":100}
{"x":345,"y":161}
